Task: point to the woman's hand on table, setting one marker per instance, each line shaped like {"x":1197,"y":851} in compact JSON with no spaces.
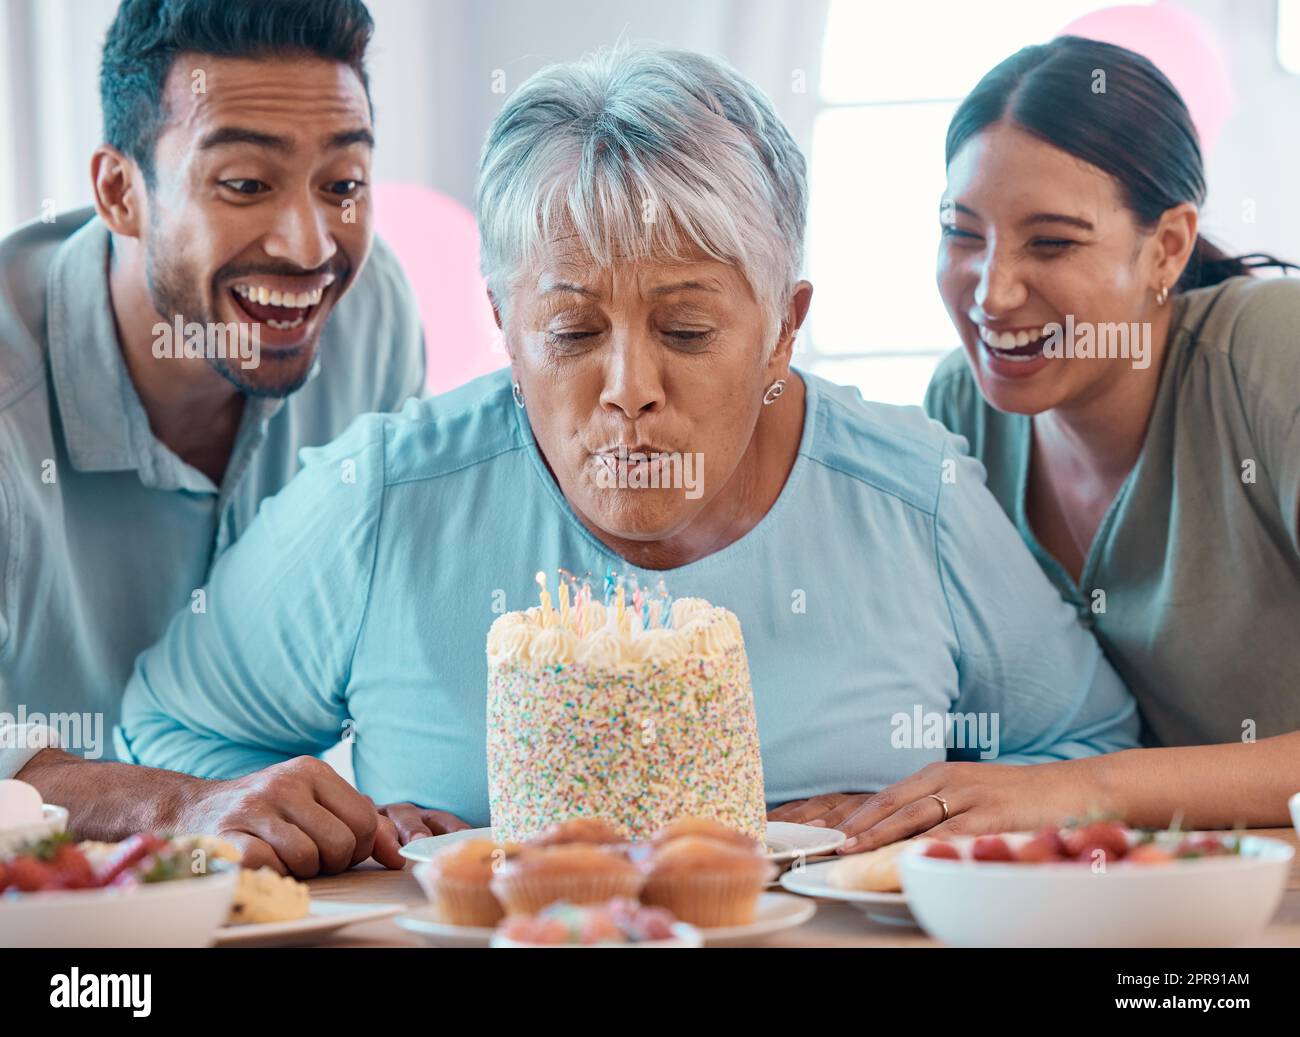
{"x":982,"y":798}
{"x":413,"y":822}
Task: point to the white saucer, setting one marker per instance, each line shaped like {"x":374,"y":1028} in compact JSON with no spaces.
{"x":886,"y":908}
{"x":785,"y":841}
{"x":774,"y":913}
{"x":326,"y":918}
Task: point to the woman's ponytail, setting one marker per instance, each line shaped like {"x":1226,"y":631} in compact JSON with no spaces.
{"x":1209,"y":265}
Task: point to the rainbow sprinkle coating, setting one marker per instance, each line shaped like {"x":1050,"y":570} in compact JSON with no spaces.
{"x":636,"y":744}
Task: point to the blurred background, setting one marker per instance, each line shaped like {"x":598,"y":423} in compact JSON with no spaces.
{"x":866,"y":88}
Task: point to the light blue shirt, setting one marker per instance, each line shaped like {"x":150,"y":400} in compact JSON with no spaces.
{"x":104,"y":532}
{"x":884,"y":580}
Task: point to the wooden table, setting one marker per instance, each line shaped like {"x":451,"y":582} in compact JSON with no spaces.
{"x":834,"y":924}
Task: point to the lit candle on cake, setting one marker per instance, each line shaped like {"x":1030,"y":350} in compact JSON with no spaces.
{"x":546,"y":597}
{"x":564,"y":601}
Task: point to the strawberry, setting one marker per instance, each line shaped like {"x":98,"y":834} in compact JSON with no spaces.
{"x":1149,"y":853}
{"x":942,"y":851}
{"x":991,"y":848}
{"x":72,"y":869}
{"x":30,"y":874}
{"x":1100,"y":835}
{"x":1045,"y":845}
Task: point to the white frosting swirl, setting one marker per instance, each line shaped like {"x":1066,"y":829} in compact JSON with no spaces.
{"x":709,"y":635}
{"x":509,"y":642}
{"x":602,"y":650}
{"x":699,"y":630}
{"x":660,"y":646}
{"x":684,"y":609}
{"x":553,"y":646}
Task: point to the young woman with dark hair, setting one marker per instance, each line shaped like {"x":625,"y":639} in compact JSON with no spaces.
{"x":1134,"y":395}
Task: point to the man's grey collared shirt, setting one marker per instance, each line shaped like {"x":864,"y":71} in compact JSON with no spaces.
{"x":105,"y":534}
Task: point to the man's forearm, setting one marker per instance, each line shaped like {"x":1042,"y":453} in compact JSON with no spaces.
{"x":110,"y":801}
{"x":1212,"y":786}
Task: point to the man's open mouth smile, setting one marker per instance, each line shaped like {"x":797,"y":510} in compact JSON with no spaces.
{"x":284,"y":309}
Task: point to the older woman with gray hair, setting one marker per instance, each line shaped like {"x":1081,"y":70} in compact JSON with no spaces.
{"x":642,"y":219}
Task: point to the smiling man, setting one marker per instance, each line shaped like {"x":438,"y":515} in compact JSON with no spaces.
{"x":231,"y":210}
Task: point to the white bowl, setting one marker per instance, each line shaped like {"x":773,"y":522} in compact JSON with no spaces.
{"x":181,"y":913}
{"x":1206,"y":902}
{"x":54,"y":822}
{"x":683,"y":936}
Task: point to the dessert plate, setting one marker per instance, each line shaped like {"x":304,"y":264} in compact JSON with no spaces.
{"x":785,"y":841}
{"x":813,"y":881}
{"x":774,"y":913}
{"x":326,"y":918}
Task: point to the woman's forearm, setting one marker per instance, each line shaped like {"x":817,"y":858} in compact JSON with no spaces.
{"x":1213,"y":786}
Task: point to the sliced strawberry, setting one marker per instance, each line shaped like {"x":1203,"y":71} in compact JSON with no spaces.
{"x":130,"y":851}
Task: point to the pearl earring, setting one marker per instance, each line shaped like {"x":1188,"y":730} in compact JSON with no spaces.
{"x":1162,"y":295}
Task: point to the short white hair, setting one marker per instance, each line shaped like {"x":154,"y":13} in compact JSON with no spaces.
{"x":644,"y":153}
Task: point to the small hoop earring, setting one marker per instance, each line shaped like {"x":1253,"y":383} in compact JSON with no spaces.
{"x":1162,"y":295}
{"x":518,"y":394}
{"x":774,"y":392}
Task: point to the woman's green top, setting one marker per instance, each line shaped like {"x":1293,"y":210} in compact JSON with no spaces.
{"x":1192,"y":583}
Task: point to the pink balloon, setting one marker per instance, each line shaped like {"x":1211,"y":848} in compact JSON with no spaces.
{"x":1179,"y":44}
{"x":436,"y":241}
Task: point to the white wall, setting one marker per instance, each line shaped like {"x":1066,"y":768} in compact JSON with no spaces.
{"x":1257,"y":157}
{"x":433,"y":61}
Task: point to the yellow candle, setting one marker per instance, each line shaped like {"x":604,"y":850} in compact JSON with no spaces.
{"x":564,"y":601}
{"x":618,"y":606}
{"x":546,"y":598}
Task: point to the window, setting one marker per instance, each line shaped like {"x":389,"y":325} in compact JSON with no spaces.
{"x":1288,"y":35}
{"x":889,"y":86}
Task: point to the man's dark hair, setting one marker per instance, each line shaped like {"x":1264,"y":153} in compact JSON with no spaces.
{"x":147,"y":35}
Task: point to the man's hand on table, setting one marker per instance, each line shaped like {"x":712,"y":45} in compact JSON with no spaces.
{"x":298,"y":817}
{"x":414,"y":822}
{"x":982,"y":798}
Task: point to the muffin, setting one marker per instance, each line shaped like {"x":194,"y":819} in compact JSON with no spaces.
{"x":457,"y":882}
{"x":575,"y":872}
{"x":706,"y":882}
{"x":706,"y":827}
{"x":588,"y":830}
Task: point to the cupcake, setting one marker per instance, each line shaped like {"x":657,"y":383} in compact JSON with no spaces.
{"x":578,"y":830}
{"x":457,"y":882}
{"x":706,"y":827}
{"x":706,"y":882}
{"x":576,"y":872}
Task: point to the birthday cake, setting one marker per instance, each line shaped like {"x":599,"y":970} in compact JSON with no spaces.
{"x":630,"y":715}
